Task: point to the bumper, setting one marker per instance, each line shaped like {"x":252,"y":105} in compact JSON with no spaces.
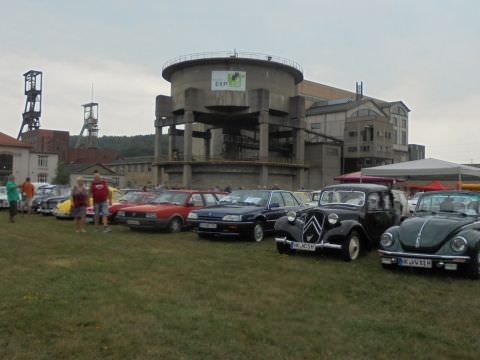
{"x":448,"y":262}
{"x":222,"y":228}
{"x":143,"y":223}
{"x":61,"y":214}
{"x":320,"y":245}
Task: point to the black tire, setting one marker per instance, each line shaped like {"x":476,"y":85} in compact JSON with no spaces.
{"x":175,"y":225}
{"x":204,"y":236}
{"x":258,"y":231}
{"x":284,"y":249}
{"x":352,"y":246}
{"x":472,"y":270}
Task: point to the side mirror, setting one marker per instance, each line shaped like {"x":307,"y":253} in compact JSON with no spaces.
{"x":274,"y":205}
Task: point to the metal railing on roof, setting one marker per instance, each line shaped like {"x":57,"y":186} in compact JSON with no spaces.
{"x":233,"y":54}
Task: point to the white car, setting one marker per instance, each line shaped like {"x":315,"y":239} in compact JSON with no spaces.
{"x":3,"y":197}
{"x":412,"y":203}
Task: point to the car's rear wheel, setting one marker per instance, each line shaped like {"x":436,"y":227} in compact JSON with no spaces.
{"x":352,"y":246}
{"x":175,"y":225}
{"x":473,"y":268}
{"x":258,"y":232}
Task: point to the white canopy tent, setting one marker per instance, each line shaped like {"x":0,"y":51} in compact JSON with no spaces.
{"x":425,"y":169}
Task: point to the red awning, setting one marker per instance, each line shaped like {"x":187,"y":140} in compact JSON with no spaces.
{"x":435,"y":185}
{"x":358,"y":177}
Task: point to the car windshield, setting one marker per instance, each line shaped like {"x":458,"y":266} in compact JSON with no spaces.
{"x":343,"y":197}
{"x":247,"y":197}
{"x":138,"y":197}
{"x":463,"y":204}
{"x":170,"y":197}
{"x":316,"y":196}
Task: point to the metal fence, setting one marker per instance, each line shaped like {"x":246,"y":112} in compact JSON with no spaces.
{"x":234,"y":54}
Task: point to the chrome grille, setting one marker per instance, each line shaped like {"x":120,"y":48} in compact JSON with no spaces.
{"x":312,"y":228}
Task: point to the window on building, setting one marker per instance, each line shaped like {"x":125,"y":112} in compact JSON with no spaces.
{"x":352,"y":133}
{"x":330,"y":151}
{"x":42,"y":178}
{"x":316,"y":125}
{"x":395,"y":137}
{"x":395,"y":121}
{"x":404,"y":138}
{"x":352,"y":149}
{"x":365,"y":112}
{"x":142,"y":167}
{"x":404,"y":123}
{"x":42,"y":161}
{"x":365,"y":148}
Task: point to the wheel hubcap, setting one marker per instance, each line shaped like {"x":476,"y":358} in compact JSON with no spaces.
{"x":354,"y":247}
{"x":175,"y":226}
{"x":258,"y":232}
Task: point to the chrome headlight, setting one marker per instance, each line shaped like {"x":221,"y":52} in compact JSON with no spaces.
{"x":151,"y":215}
{"x":459,"y":244}
{"x":120,"y":213}
{"x":332,"y":218}
{"x":232,"y":218}
{"x":291,"y":216}
{"x":192,"y":215}
{"x":386,"y":240}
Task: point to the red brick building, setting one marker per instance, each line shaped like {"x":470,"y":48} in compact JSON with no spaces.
{"x":48,"y":141}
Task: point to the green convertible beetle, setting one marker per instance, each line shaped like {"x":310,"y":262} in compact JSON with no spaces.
{"x":443,"y":233}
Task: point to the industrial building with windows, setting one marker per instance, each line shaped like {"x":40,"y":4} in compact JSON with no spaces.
{"x":252,"y":120}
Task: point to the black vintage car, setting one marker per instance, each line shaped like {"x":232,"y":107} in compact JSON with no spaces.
{"x":244,"y":213}
{"x":443,"y":233}
{"x":349,"y":218}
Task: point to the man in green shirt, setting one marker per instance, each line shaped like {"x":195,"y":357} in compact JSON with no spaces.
{"x":13,"y":197}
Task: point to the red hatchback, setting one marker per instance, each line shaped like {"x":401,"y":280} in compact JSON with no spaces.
{"x":168,"y":210}
{"x":129,"y":199}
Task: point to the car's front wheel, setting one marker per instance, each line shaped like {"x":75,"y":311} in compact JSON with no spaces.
{"x":258,"y":232}
{"x":473,"y":268}
{"x":175,"y":225}
{"x":352,"y":246}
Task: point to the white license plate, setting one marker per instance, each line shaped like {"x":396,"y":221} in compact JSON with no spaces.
{"x":133,"y":222}
{"x":303,"y":246}
{"x":414,"y":262}
{"x":207,"y":226}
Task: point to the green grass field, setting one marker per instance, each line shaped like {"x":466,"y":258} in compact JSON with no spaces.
{"x":130,"y":295}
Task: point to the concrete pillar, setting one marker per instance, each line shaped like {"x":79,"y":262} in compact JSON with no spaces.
{"x":263,"y":135}
{"x":157,"y":153}
{"x":300,"y":153}
{"x":171,"y":141}
{"x":206,"y":142}
{"x":264,"y":175}
{"x":188,"y":118}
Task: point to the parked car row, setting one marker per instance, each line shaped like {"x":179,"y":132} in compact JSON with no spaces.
{"x":349,"y":219}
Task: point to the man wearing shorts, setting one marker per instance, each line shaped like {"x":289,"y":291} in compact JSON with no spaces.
{"x":28,"y":190}
{"x":13,"y":197}
{"x":101,"y":199}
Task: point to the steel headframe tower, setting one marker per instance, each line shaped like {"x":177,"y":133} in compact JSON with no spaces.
{"x":33,"y":103}
{"x":90,"y":124}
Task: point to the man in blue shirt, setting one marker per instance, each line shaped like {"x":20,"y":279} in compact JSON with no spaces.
{"x":13,"y":197}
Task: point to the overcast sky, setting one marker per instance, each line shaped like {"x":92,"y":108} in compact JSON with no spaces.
{"x":426,"y":53}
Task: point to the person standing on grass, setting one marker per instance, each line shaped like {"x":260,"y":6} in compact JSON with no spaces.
{"x":28,"y":190}
{"x":101,"y":199}
{"x":13,"y":197}
{"x":79,"y":204}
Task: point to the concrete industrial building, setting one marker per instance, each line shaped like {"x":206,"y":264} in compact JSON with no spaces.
{"x":244,"y":125}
